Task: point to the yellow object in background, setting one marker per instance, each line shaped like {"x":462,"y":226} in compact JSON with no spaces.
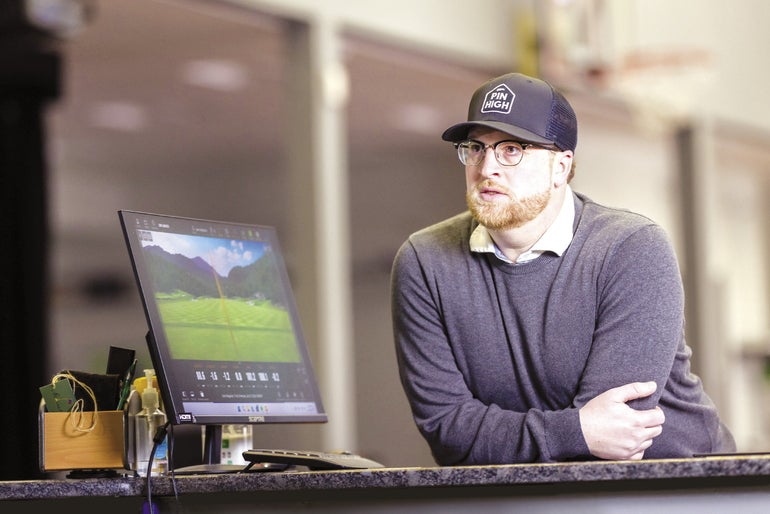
{"x":140,"y":384}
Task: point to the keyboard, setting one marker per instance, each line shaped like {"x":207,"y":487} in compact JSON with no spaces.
{"x":314,"y":460}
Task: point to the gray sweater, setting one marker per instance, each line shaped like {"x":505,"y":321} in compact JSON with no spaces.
{"x":496,"y":359}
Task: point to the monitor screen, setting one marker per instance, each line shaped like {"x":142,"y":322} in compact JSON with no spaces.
{"x":224,"y":334}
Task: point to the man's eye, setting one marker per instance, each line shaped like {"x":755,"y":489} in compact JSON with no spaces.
{"x":510,"y":149}
{"x":475,"y":147}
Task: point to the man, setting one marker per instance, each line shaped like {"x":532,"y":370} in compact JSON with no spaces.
{"x":541,"y":326}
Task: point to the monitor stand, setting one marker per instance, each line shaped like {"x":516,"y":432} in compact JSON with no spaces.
{"x":212,"y":449}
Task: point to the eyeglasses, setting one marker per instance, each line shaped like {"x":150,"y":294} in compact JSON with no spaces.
{"x":507,"y":153}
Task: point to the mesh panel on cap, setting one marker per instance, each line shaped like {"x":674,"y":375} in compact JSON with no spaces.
{"x":562,"y":127}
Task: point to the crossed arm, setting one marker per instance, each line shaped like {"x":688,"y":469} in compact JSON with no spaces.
{"x":613,"y":430}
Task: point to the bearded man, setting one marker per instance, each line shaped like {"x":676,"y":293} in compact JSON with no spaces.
{"x":540,"y":326}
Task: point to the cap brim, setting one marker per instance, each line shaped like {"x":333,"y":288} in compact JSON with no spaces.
{"x":459,"y":132}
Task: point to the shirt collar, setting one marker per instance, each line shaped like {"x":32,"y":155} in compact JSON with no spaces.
{"x":556,"y":238}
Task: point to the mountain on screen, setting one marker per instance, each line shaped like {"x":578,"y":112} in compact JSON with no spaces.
{"x":175,"y":272}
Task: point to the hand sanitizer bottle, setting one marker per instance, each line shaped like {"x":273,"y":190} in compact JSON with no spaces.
{"x":147,"y":422}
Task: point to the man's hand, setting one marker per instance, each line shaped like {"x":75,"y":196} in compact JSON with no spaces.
{"x":615,"y":431}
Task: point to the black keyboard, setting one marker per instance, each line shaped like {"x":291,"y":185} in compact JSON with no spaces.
{"x":312,"y":459}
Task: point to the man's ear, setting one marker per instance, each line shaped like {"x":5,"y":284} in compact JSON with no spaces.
{"x":562,"y":164}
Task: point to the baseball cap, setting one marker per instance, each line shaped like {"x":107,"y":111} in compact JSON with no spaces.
{"x":529,"y":109}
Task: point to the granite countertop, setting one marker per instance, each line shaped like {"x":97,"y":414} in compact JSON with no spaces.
{"x":727,"y":467}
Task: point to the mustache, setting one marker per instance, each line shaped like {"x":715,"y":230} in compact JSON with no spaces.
{"x":491,"y":184}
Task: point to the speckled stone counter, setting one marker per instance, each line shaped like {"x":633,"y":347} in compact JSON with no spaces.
{"x":710,"y":484}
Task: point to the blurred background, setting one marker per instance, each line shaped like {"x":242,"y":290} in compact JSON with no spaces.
{"x":324,"y":120}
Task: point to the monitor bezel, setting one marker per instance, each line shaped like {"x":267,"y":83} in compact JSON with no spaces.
{"x":158,"y":345}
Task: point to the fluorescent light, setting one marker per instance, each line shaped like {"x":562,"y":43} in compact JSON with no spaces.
{"x":118,"y":115}
{"x":219,"y":75}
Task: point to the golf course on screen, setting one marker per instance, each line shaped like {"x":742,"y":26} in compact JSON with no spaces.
{"x":226,"y":329}
{"x":229,"y":309}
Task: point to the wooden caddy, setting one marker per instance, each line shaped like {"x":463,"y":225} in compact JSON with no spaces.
{"x":63,"y":447}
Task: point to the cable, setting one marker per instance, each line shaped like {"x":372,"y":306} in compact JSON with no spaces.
{"x":170,"y":459}
{"x":157,"y":438}
{"x":148,"y":474}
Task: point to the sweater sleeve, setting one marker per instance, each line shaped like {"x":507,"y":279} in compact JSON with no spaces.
{"x":639,"y":318}
{"x":459,"y":428}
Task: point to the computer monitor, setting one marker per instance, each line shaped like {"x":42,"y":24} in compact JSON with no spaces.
{"x":224,"y":334}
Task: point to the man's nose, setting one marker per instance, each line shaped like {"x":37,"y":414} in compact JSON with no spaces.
{"x":489,"y":167}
